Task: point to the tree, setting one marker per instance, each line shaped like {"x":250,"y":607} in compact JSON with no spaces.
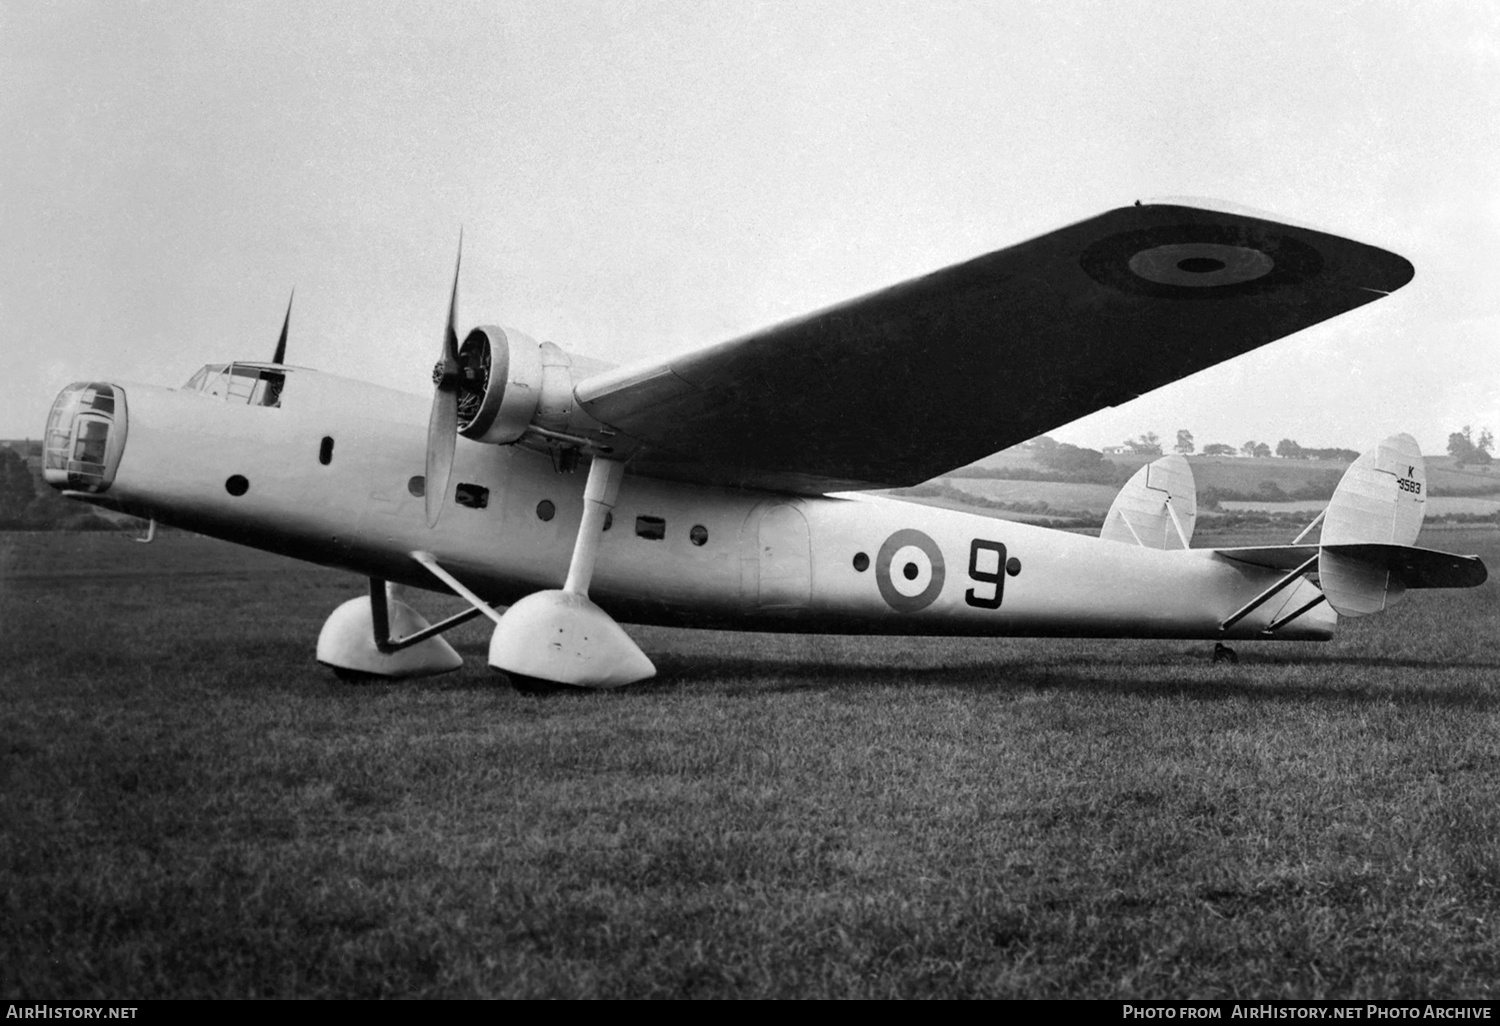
{"x":1218,"y":449}
{"x":1262,"y":451}
{"x":1249,"y":448}
{"x":1288,"y":449}
{"x":1184,"y":441}
{"x":1148,"y":444}
{"x":1462,"y":448}
{"x":17,"y":489}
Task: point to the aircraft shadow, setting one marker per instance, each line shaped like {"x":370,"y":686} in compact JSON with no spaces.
{"x":1075,"y":672}
{"x":1207,"y":683}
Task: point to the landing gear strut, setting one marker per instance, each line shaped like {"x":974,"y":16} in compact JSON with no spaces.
{"x":559,"y":635}
{"x":1224,"y":654}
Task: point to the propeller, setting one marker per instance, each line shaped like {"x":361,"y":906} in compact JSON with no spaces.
{"x":280,"y":356}
{"x":442,"y":425}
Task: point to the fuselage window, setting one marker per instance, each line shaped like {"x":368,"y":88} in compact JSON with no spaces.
{"x":325,"y":451}
{"x":545,"y":510}
{"x":472,"y":496}
{"x":698,"y":535}
{"x":417,"y":486}
{"x":651,"y":528}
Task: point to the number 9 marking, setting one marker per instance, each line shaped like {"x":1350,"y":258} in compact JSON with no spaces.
{"x":987,"y":566}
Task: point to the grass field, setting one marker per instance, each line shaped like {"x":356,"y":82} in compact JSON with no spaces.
{"x":189,"y":806}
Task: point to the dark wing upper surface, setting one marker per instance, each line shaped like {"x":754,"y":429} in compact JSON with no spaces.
{"x":900,"y":385}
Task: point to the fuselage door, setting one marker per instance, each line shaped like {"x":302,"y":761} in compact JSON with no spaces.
{"x":783,"y":558}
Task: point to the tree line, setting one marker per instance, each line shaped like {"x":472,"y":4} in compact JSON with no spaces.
{"x":1150,"y":444}
{"x":28,"y":503}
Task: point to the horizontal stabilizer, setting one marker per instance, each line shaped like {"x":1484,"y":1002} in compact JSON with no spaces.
{"x":1417,"y":568}
{"x":1273,"y":557}
{"x":1157,"y":508}
{"x":1367,"y":577}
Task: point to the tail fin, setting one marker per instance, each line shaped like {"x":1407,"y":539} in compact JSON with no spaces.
{"x":1380,"y":501}
{"x":1157,"y":508}
{"x":1382,"y":497}
{"x":1366,"y":559}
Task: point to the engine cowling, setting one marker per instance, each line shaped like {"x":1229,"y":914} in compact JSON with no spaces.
{"x":500,"y":384}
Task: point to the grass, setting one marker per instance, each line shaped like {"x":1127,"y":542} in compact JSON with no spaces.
{"x":190,"y":807}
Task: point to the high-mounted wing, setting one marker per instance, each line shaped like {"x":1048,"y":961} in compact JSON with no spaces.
{"x":905,"y":383}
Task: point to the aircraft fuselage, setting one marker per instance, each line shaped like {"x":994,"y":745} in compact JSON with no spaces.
{"x":333,"y":474}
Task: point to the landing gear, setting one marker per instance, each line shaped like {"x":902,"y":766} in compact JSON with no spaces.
{"x":356,"y":640}
{"x":1224,"y":654}
{"x":559,"y":635}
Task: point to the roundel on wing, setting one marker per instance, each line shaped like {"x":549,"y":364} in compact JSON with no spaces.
{"x":909,"y":571}
{"x":1199,"y":261}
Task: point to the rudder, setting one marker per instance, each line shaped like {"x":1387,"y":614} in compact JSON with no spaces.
{"x":1157,"y":508}
{"x":1381,"y":500}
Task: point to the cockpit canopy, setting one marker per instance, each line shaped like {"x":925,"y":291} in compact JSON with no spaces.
{"x":85,"y":435}
{"x":254,"y":384}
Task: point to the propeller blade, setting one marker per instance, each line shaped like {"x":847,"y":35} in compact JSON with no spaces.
{"x":442,"y":437}
{"x":442,"y":424}
{"x":280,"y":356}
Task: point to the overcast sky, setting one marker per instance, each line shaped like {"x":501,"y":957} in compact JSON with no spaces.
{"x":636,"y":178}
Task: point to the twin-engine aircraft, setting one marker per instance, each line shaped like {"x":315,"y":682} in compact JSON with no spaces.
{"x":728,"y":488}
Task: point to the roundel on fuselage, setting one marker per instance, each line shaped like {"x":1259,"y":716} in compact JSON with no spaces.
{"x":909,"y":571}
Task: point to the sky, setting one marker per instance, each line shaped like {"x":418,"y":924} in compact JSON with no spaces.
{"x":634,"y":179}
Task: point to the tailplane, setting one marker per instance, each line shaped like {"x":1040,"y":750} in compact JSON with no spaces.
{"x":1375,"y":514}
{"x":1366,"y":558}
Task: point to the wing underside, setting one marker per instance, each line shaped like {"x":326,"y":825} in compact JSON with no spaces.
{"x":901,"y":385}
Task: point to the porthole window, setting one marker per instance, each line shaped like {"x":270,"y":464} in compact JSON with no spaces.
{"x":651,"y":528}
{"x":471,"y":495}
{"x":861,"y":562}
{"x":609,"y":519}
{"x":1013,"y":566}
{"x":325,"y":451}
{"x":545,"y":510}
{"x":417,"y":486}
{"x":237,"y":485}
{"x":698,"y":535}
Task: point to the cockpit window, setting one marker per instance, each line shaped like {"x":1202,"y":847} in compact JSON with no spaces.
{"x":247,"y":383}
{"x":85,"y":434}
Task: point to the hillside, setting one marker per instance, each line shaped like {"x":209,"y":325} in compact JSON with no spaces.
{"x":1250,"y":475}
{"x":1230,"y":489}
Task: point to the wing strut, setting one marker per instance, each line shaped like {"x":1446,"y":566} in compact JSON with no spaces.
{"x":1268,"y":594}
{"x":1177,"y":522}
{"x":1281,"y":621}
{"x":1308,"y":529}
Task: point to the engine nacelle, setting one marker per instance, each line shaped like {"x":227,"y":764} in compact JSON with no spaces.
{"x":500,"y":384}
